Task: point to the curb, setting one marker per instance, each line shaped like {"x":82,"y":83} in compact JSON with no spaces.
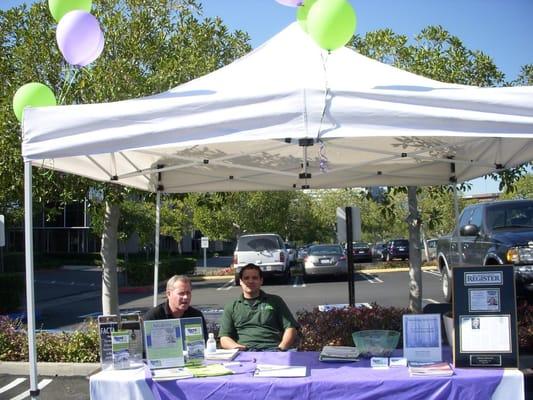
{"x":50,"y":368}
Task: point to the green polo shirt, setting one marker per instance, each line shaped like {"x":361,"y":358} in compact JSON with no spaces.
{"x":258,"y":323}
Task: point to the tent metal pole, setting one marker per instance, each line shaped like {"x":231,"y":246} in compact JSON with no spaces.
{"x":30,"y":298}
{"x":456,"y":210}
{"x":156,"y":261}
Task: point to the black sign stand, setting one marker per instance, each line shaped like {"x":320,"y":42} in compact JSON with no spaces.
{"x":349,"y":256}
{"x":484,"y":311}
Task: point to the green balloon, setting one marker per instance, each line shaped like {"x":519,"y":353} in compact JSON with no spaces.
{"x":331,"y":23}
{"x":301,"y":13}
{"x":58,"y":8}
{"x":32,"y":94}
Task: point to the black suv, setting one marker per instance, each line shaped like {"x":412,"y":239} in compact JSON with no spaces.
{"x":494,"y":233}
{"x":398,"y":248}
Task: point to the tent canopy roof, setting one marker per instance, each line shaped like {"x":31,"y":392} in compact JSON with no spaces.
{"x":289,"y":115}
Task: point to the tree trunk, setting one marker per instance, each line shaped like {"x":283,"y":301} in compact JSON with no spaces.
{"x":109,"y":260}
{"x":415,"y":264}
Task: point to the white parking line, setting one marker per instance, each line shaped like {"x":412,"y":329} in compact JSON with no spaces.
{"x":228,"y":285}
{"x":435,"y":273}
{"x":11,"y":385}
{"x":431,"y":301}
{"x":370,"y":278}
{"x":41,"y":385}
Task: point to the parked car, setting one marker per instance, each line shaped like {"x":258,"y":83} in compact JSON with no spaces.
{"x":361,"y":252}
{"x":432,"y":250}
{"x":267,"y":250}
{"x":492,"y":233}
{"x":325,"y":259}
{"x":378,"y":249}
{"x":397,"y":248}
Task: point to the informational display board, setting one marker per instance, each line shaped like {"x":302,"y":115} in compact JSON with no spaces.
{"x":204,"y":242}
{"x":163,"y":343}
{"x":422,"y":337}
{"x":484,"y":309}
{"x":107,"y":324}
{"x":192,"y":334}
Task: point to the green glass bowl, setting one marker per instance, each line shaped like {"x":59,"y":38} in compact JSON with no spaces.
{"x":376,"y":343}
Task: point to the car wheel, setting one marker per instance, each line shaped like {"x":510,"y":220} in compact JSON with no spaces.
{"x":446,"y":286}
{"x":237,"y":280}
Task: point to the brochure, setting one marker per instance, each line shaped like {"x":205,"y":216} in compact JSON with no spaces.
{"x":132,"y":324}
{"x":170,"y":374}
{"x":203,"y":371}
{"x":120,"y":347}
{"x":422,"y":337}
{"x":193,"y":339}
{"x":163,"y":343}
{"x":430,"y":369}
{"x":339,"y":354}
{"x":280,"y":371}
{"x":222,"y":355}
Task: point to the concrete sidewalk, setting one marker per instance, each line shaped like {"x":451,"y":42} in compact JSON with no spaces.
{"x":50,"y":368}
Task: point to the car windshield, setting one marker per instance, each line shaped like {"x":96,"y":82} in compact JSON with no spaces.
{"x":400,"y":243}
{"x":360,"y":244}
{"x":333,"y":249}
{"x":506,"y":215}
{"x":255,"y":243}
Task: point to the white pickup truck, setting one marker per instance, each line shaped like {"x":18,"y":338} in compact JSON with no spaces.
{"x":266,"y":250}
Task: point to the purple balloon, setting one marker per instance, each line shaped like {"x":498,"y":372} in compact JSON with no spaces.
{"x":291,"y":3}
{"x":79,"y":38}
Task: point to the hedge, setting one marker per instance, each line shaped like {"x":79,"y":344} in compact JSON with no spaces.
{"x":11,"y":291}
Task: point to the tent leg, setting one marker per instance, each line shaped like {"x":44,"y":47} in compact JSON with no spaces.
{"x":156,"y":247}
{"x":30,"y":298}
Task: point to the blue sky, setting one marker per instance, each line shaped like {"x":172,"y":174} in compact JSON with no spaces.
{"x":500,"y":28}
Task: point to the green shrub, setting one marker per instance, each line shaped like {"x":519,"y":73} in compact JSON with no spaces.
{"x":335,"y":327}
{"x":11,"y":291}
{"x":78,"y":346}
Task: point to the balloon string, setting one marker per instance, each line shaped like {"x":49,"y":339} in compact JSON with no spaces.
{"x":69,"y":79}
{"x":323,"y":159}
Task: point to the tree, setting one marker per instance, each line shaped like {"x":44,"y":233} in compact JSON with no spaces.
{"x":150,"y":47}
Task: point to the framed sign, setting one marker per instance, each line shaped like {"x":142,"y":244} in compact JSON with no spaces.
{"x":163,"y":343}
{"x":422,"y":337}
{"x":484,"y":310}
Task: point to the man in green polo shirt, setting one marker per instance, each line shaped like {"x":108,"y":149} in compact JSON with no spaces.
{"x":257,"y":320}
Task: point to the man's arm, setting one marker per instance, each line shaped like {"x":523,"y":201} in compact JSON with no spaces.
{"x":228,"y":343}
{"x":288,"y":338}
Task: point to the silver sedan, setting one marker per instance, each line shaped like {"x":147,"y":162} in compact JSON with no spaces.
{"x":325,"y":259}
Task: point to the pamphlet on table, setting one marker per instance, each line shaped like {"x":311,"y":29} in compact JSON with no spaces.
{"x":280,"y":371}
{"x":222,"y":355}
{"x":430,"y":369}
{"x":339,"y":354}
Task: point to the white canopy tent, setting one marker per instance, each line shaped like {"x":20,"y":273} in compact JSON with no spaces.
{"x":286,"y":116}
{"x":238,"y":128}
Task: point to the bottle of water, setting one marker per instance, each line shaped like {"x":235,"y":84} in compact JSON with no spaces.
{"x":211,"y":346}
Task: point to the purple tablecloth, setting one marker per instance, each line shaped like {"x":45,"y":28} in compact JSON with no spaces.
{"x":328,"y":381}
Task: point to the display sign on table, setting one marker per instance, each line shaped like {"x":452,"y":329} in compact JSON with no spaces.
{"x":422,"y":337}
{"x":163,"y":343}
